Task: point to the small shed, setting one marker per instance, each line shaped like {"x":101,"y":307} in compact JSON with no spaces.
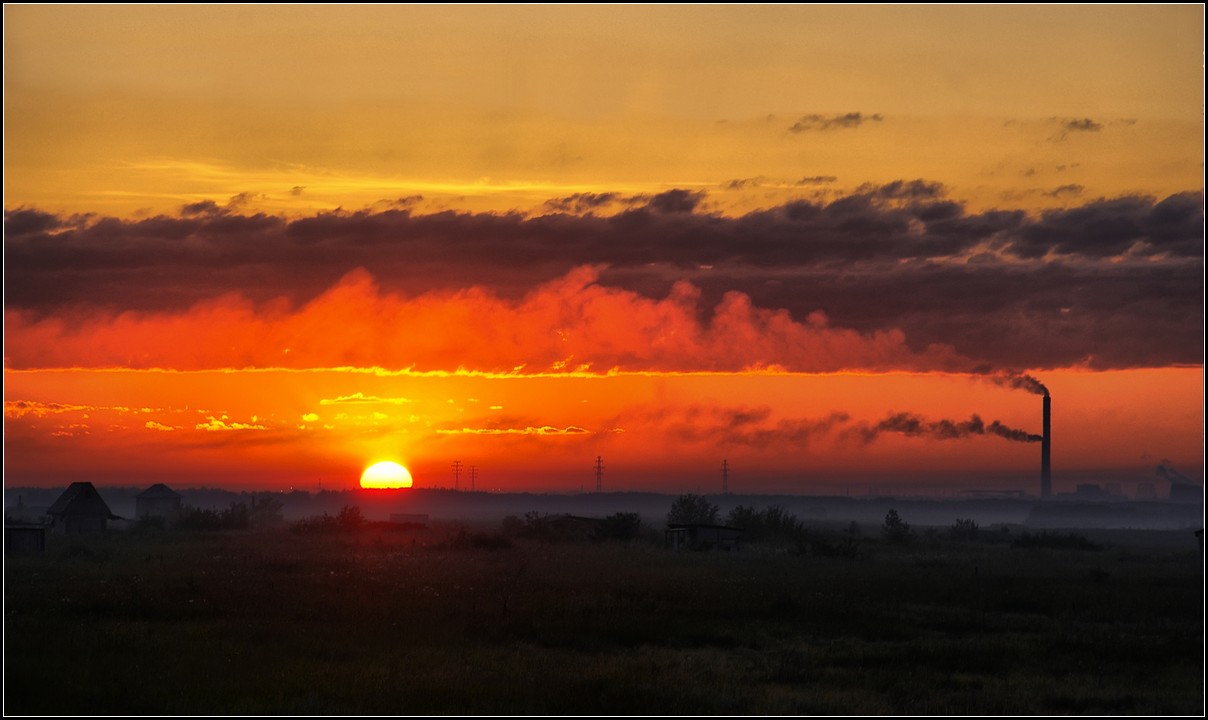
{"x":699,"y":536}
{"x":24,"y":537}
{"x":159,"y":500}
{"x":80,"y":510}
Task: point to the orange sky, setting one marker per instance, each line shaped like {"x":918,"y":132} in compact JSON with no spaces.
{"x":253,"y":246}
{"x":283,"y":428}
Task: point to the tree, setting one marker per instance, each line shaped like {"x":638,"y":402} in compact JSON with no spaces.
{"x":895,"y":529}
{"x":692,"y":509}
{"x":618,"y":526}
{"x":964,"y":529}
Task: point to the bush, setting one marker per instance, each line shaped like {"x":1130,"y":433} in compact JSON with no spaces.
{"x":512,"y":526}
{"x":466,"y":540}
{"x":235,"y":517}
{"x":826,"y":545}
{"x":692,"y":510}
{"x":772,"y":524}
{"x":349,"y":519}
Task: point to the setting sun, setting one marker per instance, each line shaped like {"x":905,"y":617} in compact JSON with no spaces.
{"x":385,"y":475}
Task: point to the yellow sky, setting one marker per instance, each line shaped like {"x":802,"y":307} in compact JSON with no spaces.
{"x":124,"y":109}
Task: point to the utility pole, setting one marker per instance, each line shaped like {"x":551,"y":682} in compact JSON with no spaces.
{"x":599,"y":474}
{"x":456,"y":474}
{"x":473,"y":475}
{"x":725,"y":477}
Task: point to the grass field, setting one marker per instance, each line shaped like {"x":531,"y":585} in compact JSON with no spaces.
{"x":446,"y":622}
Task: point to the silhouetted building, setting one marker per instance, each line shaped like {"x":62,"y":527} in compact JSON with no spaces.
{"x":159,"y":500}
{"x":1146,"y":491}
{"x":702,"y":537}
{"x":80,"y":510}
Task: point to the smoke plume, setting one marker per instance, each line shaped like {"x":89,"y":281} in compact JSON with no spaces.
{"x":1018,"y":381}
{"x":913,"y":425}
{"x":1169,"y":474}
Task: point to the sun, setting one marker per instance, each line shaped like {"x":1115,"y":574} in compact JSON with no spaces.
{"x":385,"y":475}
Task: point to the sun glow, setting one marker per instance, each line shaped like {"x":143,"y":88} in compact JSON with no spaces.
{"x":385,"y":475}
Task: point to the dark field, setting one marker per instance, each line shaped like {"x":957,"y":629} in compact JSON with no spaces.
{"x":379,"y":621}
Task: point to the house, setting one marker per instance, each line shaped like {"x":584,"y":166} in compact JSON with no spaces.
{"x":699,"y":536}
{"x":159,"y":500}
{"x":80,"y":510}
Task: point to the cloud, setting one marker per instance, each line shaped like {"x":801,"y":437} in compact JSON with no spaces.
{"x":222,"y":425}
{"x":34,"y":408}
{"x":203,"y":207}
{"x":310,"y":417}
{"x":361,"y":398}
{"x":1069,"y":190}
{"x":1080,"y":125}
{"x":817,"y":180}
{"x":833,"y":122}
{"x":22,"y":408}
{"x":571,"y":323}
{"x":1066,"y":126}
{"x":676,"y":201}
{"x":898,"y":259}
{"x":1129,"y":225}
{"x":582,"y":202}
{"x":152,"y":425}
{"x":743,"y":183}
{"x":494,"y":428}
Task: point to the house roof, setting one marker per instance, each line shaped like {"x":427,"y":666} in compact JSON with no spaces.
{"x":158,"y":491}
{"x":81,"y":499}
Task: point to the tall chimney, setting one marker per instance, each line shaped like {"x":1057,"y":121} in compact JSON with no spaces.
{"x":1046,"y":480}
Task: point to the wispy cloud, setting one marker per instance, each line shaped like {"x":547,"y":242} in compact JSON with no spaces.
{"x":224,"y":424}
{"x":545,"y":430}
{"x":358,"y":398}
{"x":844,"y":121}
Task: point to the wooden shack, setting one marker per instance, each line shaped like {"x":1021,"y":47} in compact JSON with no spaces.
{"x":160,"y":501}
{"x":80,"y":510}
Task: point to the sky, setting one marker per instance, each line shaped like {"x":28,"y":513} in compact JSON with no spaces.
{"x":840,"y":248}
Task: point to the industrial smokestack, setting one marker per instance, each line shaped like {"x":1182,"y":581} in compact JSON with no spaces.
{"x":1046,"y":479}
